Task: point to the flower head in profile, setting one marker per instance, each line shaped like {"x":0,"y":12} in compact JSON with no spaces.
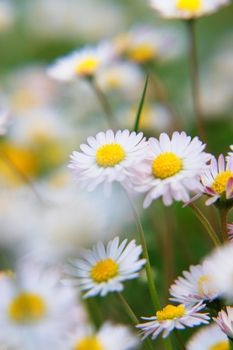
{"x":171,"y":168}
{"x":209,"y":338}
{"x":107,"y":158}
{"x":194,"y":286}
{"x":173,"y":317}
{"x":186,"y":8}
{"x":102,"y":270}
{"x":225,"y":321}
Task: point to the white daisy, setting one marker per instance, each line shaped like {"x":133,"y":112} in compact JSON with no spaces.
{"x":230,"y":230}
{"x":35,"y":310}
{"x":208,"y":338}
{"x":108,"y":157}
{"x":102,"y":270}
{"x":186,"y":8}
{"x":171,"y":168}
{"x":173,"y":317}
{"x":225,"y":321}
{"x":109,"y":337}
{"x":231,"y":153}
{"x":83,"y":63}
{"x":218,"y":180}
{"x":193,"y":287}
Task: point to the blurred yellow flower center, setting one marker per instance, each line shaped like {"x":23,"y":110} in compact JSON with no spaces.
{"x":141,"y":53}
{"x":221,"y":180}
{"x":27,"y":308}
{"x":166,"y":164}
{"x":170,"y":312}
{"x":223,"y":345}
{"x":87,"y":66}
{"x":189,"y":5}
{"x":110,"y":155}
{"x":113,"y":80}
{"x":201,"y":283}
{"x":104,"y":270}
{"x":89,"y":343}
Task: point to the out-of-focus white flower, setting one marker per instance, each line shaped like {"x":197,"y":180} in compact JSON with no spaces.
{"x":107,"y":158}
{"x":103,"y":269}
{"x":83,"y":63}
{"x":36,"y":311}
{"x":186,"y":8}
{"x":171,"y":168}
{"x":231,"y":153}
{"x":208,"y":338}
{"x":193,"y":287}
{"x":173,"y":317}
{"x":230,"y":230}
{"x":225,"y":321}
{"x":5,"y":119}
{"x":110,"y":337}
{"x":7,"y":15}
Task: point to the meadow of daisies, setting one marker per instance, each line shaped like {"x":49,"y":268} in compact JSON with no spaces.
{"x":116,"y":175}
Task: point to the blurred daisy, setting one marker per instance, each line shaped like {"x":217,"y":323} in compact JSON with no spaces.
{"x":231,"y":153}
{"x":208,"y":338}
{"x":171,"y":169}
{"x":173,"y":317}
{"x":218,"y":179}
{"x":83,"y":63}
{"x":193,"y":287}
{"x":186,"y":8}
{"x":225,"y":321}
{"x":109,"y":337}
{"x":230,"y":230}
{"x":108,"y":157}
{"x":102,"y":270}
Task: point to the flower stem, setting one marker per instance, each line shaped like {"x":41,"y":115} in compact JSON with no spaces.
{"x":179,"y":340}
{"x":223,"y":217}
{"x":205,"y":222}
{"x":194,"y":76}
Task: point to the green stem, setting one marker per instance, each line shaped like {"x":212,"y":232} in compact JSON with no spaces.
{"x":223,"y":217}
{"x":179,"y":340}
{"x":230,"y":343}
{"x":205,"y":222}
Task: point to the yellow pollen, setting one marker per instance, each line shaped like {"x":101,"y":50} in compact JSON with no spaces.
{"x":189,"y":5}
{"x":141,"y":53}
{"x":27,"y":308}
{"x":223,"y":345}
{"x":89,"y":343}
{"x":170,"y":312}
{"x":87,"y":66}
{"x":104,"y":270}
{"x":110,"y":155}
{"x":221,"y":180}
{"x":166,"y":164}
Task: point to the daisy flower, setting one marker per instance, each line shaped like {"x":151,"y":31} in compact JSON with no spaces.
{"x":225,"y":321}
{"x":171,"y":168}
{"x":109,"y":337}
{"x":83,"y":63}
{"x":218,"y":180}
{"x":102,"y":270}
{"x":194,"y":286}
{"x":230,"y":230}
{"x":186,"y":9}
{"x":108,"y":157}
{"x":173,"y":317}
{"x":230,"y":154}
{"x":208,"y":338}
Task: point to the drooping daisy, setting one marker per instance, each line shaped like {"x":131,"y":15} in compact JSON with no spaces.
{"x":186,"y":8}
{"x":194,"y":286}
{"x":230,"y":230}
{"x":108,"y":157}
{"x":83,"y":63}
{"x":171,"y":168}
{"x":218,"y":180}
{"x":209,"y":338}
{"x":225,"y":321}
{"x":173,"y":317}
{"x":109,"y":337}
{"x":102,"y":270}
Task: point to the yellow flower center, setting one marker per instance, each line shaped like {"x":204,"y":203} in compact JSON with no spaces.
{"x":221,"y":180}
{"x":189,"y":5}
{"x":89,"y":343}
{"x":109,"y":155}
{"x":201,"y":283}
{"x":170,"y":312}
{"x":166,"y":164}
{"x":222,"y":345}
{"x":27,"y":308}
{"x":113,"y":80}
{"x":141,"y":53}
{"x":88,"y":66}
{"x":104,"y":270}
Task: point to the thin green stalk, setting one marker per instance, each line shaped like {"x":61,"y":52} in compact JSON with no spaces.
{"x":205,"y":222}
{"x":141,"y":104}
{"x":179,"y":340}
{"x":223,"y":217}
